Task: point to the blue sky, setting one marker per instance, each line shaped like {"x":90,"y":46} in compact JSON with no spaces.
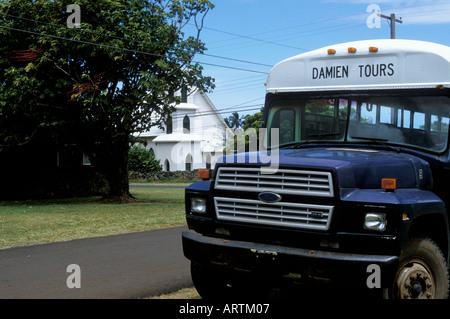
{"x":264,"y":32}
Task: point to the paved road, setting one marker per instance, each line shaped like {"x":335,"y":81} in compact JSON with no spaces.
{"x":124,"y":266}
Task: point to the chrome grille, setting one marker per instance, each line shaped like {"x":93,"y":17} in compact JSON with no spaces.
{"x":278,"y":214}
{"x":284,"y":181}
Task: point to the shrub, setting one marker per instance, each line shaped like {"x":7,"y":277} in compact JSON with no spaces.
{"x":142,"y":161}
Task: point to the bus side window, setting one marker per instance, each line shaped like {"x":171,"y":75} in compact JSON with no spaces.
{"x":445,"y":122}
{"x":439,"y":130}
{"x":388,"y":115}
{"x":419,"y":121}
{"x":368,"y":113}
{"x":407,"y":119}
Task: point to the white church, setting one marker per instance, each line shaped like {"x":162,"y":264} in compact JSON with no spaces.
{"x":194,"y":137}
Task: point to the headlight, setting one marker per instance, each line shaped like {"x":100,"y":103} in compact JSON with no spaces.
{"x":375,"y":221}
{"x":198,"y":205}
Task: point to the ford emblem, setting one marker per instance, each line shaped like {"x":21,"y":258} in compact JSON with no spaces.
{"x":269,"y":197}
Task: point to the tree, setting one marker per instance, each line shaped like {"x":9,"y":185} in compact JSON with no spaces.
{"x":235,"y":120}
{"x":102,"y":82}
{"x":253,"y":121}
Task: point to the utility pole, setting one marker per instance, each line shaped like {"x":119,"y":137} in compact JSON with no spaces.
{"x":392,"y":20}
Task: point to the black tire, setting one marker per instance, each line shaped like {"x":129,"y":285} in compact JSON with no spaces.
{"x":216,"y":285}
{"x":422,"y":272}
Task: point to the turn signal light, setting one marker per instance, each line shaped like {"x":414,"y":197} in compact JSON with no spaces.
{"x":373,"y":49}
{"x":203,"y":173}
{"x":389,"y":184}
{"x":351,"y":50}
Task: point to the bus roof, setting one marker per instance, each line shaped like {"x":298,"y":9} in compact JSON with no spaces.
{"x":364,"y":65}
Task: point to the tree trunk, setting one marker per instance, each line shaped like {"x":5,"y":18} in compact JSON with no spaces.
{"x":112,"y":161}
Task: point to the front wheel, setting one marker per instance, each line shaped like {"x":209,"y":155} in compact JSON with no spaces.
{"x":422,"y":273}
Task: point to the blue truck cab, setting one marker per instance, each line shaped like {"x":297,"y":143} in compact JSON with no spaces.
{"x":350,"y":182}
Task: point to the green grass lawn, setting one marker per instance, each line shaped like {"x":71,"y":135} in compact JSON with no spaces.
{"x":42,"y":221}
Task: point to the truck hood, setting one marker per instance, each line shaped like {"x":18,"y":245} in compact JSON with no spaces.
{"x":353,"y":167}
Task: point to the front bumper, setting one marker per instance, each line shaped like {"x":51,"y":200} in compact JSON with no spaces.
{"x":273,"y":260}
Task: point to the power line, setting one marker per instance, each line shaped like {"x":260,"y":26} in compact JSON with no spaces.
{"x":132,"y":40}
{"x":237,"y":60}
{"x":220,"y":92}
{"x":231,"y":109}
{"x":289,"y":37}
{"x":241,"y":84}
{"x":197,"y":116}
{"x":256,"y":39}
{"x":321,"y":22}
{"x":240,"y":79}
{"x":251,"y":37}
{"x":128,"y":50}
{"x":228,"y":110}
{"x":321,"y":30}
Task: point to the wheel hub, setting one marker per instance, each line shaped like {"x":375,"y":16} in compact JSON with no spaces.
{"x":414,"y":281}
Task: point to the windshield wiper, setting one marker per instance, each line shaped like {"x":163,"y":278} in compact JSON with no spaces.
{"x":373,"y":139}
{"x":379,"y":141}
{"x":320,"y":136}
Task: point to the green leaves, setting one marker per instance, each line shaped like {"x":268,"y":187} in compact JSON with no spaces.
{"x":30,"y":67}
{"x":142,"y":161}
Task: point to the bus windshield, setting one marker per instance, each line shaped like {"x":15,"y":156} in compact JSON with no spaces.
{"x":418,"y":121}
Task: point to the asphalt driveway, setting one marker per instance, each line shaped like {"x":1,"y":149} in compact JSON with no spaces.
{"x":132,"y":265}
